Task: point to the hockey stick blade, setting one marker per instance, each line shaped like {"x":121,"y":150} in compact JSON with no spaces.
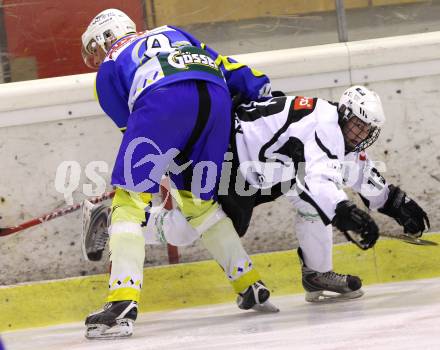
{"x":6,"y":231}
{"x":411,"y":240}
{"x":401,"y":237}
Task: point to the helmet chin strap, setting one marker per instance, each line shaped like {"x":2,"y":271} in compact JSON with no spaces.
{"x":348,"y":148}
{"x":343,"y":113}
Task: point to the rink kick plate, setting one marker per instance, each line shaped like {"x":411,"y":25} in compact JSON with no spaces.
{"x":201,"y":283}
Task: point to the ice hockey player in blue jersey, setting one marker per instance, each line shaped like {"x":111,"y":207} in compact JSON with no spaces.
{"x":171,"y":96}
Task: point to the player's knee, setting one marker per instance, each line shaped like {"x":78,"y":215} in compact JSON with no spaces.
{"x":179,"y":232}
{"x":129,"y":206}
{"x":125,"y":227}
{"x":196,"y":210}
{"x":175,"y":228}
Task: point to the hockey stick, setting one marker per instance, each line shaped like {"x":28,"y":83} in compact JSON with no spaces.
{"x":352,"y":237}
{"x":410,"y":239}
{"x":5,"y":231}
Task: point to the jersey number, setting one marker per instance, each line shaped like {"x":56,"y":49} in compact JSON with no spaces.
{"x":376,"y":179}
{"x":156,"y":44}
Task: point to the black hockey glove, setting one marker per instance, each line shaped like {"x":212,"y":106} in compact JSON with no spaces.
{"x":405,"y":211}
{"x":237,"y":100}
{"x":278,"y":93}
{"x":350,"y":218}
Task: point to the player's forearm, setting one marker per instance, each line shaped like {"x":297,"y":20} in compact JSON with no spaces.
{"x":369,"y":183}
{"x":252,"y":84}
{"x":241,"y":79}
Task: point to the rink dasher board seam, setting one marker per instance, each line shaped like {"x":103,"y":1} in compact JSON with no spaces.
{"x":45,"y":303}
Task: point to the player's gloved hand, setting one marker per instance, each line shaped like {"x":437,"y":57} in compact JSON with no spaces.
{"x":278,"y":93}
{"x":350,"y":218}
{"x":405,"y":211}
{"x":237,"y":100}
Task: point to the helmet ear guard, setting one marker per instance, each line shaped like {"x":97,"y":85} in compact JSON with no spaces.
{"x":109,"y":39}
{"x":345,"y":113}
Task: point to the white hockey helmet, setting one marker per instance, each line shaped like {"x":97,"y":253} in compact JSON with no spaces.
{"x":107,"y":27}
{"x":358,"y":101}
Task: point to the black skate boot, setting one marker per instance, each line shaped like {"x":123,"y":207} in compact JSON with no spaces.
{"x":115,"y":320}
{"x":256,"y":297}
{"x":316,"y":284}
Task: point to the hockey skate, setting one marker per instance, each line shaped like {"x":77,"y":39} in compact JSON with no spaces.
{"x":328,"y":286}
{"x":115,"y":320}
{"x":256,"y":297}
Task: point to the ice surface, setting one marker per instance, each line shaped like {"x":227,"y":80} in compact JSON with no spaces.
{"x":391,"y":316}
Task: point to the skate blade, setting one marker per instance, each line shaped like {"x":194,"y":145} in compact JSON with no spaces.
{"x":122,"y":329}
{"x":266,"y":307}
{"x":325,"y":297}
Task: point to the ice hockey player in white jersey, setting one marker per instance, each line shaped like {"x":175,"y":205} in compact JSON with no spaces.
{"x":308,"y":149}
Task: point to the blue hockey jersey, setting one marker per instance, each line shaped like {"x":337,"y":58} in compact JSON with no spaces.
{"x":142,"y":62}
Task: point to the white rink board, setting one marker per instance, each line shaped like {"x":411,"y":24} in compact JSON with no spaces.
{"x":393,"y":316}
{"x":57,"y":119}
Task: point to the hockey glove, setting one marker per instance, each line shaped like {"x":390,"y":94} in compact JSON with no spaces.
{"x":405,"y":211}
{"x":237,"y":100}
{"x":350,"y":218}
{"x":278,"y":93}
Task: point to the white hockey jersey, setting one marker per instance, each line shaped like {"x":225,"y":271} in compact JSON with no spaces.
{"x":299,"y":138}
